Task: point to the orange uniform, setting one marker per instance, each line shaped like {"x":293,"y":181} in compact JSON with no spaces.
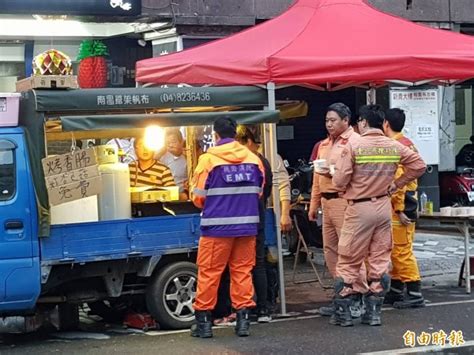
{"x":324,"y":194}
{"x":365,"y":170}
{"x":404,"y":265}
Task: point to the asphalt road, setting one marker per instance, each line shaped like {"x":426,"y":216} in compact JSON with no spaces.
{"x":449,"y":309}
{"x":305,"y":334}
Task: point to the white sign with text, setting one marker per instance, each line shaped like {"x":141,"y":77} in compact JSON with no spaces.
{"x":422,"y":120}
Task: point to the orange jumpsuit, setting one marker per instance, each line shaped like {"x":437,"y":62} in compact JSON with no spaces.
{"x":365,"y":171}
{"x":404,"y":264}
{"x":324,"y":194}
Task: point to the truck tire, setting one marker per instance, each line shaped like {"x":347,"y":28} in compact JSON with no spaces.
{"x":68,"y":315}
{"x":170,"y":295}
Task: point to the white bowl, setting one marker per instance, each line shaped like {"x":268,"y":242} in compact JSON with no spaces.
{"x":320,"y":166}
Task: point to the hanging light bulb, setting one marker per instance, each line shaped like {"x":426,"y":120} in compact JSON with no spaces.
{"x":154,"y":138}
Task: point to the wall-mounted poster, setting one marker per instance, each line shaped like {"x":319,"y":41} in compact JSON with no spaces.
{"x":422,"y":119}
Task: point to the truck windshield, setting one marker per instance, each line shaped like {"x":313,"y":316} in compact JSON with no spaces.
{"x":7,"y":174}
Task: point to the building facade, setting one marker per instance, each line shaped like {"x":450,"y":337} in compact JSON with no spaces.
{"x":249,"y":12}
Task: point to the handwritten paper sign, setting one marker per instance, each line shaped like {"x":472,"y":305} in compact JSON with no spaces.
{"x":71,"y":176}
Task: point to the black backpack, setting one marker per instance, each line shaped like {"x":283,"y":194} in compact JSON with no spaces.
{"x":411,"y":205}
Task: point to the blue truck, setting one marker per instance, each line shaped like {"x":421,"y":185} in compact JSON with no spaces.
{"x":144,"y":263}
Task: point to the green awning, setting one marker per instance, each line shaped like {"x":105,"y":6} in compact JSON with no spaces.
{"x":37,"y":105}
{"x":147,"y":98}
{"x":125,"y":121}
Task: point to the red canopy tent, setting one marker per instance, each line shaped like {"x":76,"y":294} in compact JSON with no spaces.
{"x":328,"y":43}
{"x":323,"y":44}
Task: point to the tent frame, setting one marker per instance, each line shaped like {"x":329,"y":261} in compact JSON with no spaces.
{"x":270,"y":142}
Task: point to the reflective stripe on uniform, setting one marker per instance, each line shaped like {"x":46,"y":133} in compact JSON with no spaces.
{"x":217,"y":191}
{"x":229,"y":220}
{"x":363,"y":159}
{"x":234,"y":190}
{"x":199,"y":192}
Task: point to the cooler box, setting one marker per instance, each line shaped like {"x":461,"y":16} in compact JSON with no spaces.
{"x":9,"y":107}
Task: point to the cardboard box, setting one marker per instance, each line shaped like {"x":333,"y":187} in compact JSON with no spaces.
{"x":75,"y":191}
{"x":71,"y":176}
{"x":154,"y":194}
{"x":65,"y":163}
{"x":47,"y":82}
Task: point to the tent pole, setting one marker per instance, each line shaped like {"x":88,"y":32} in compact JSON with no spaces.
{"x":271,"y":144}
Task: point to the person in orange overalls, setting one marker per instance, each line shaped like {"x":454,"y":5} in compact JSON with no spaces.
{"x":227,"y":185}
{"x":404,"y":265}
{"x":324,"y":194}
{"x":365,"y":171}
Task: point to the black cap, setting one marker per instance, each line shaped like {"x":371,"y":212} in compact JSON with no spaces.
{"x":225,"y":127}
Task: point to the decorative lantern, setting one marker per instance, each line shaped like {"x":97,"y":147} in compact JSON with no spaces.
{"x":92,"y":66}
{"x":52,"y":62}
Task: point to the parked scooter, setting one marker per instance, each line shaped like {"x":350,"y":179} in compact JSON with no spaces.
{"x":301,"y":180}
{"x":457,"y":188}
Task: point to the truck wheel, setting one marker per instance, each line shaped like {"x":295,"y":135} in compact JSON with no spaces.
{"x":170,"y":295}
{"x":68,"y":315}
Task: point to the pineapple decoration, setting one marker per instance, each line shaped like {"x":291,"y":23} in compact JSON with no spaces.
{"x":52,"y":62}
{"x":92,"y":66}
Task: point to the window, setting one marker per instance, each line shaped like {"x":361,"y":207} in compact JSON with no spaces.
{"x":7,"y":170}
{"x":460,"y":106}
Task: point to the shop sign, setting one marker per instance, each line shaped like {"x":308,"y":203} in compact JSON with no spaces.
{"x":72,"y":7}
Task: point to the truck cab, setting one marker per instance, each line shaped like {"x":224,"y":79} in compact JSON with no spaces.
{"x":19,"y":245}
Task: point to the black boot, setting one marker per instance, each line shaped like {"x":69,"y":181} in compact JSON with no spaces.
{"x":342,"y":316}
{"x":203,"y":326}
{"x":396,"y":292}
{"x":242,"y":328}
{"x":327,"y":311}
{"x":373,"y":310}
{"x":414,"y":297}
{"x":357,"y":306}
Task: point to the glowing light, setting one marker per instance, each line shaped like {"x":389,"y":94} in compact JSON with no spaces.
{"x":154,"y":138}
